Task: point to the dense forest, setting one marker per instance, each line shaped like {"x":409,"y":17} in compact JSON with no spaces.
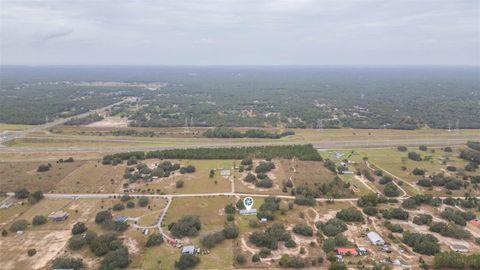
{"x":42,"y":102}
{"x":290,"y":97}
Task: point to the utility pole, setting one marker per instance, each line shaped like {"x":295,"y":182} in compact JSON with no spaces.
{"x":186,"y":125}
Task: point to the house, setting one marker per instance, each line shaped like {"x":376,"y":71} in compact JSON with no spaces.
{"x":190,"y":250}
{"x":121,"y":219}
{"x":344,"y":251}
{"x":459,"y":248}
{"x":6,"y":205}
{"x":58,"y":216}
{"x":245,"y":212}
{"x":375,"y":238}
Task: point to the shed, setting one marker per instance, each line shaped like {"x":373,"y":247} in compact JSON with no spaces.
{"x":375,"y":238}
{"x":188,"y":250}
{"x":58,"y":216}
{"x":345,"y":251}
{"x":263,"y":220}
{"x":459,"y":248}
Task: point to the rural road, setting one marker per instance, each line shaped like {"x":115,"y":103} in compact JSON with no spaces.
{"x":172,"y":196}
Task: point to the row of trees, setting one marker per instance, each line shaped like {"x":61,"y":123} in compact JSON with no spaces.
{"x":224,"y":132}
{"x":455,"y":260}
{"x":23,"y":193}
{"x":302,"y":152}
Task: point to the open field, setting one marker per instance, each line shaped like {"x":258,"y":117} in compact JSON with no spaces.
{"x":92,"y":177}
{"x":24,"y":174}
{"x":13,"y":127}
{"x":73,"y":136}
{"x":210,"y":209}
{"x":49,"y":156}
{"x":48,"y":243}
{"x":88,"y":175}
{"x":48,"y":239}
{"x":197,"y":182}
{"x":392,"y":160}
{"x":277,"y":175}
{"x":300,"y":134}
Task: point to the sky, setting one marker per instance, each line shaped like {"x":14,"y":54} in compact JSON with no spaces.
{"x":240,"y":32}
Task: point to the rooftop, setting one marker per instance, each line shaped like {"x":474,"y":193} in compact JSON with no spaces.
{"x":58,"y":214}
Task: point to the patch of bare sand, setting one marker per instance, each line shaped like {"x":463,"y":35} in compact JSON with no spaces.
{"x":110,"y":123}
{"x":329,"y":215}
{"x":13,"y":251}
{"x":132,"y":245}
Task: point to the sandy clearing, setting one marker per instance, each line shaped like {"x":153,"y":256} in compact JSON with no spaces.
{"x":47,"y":244}
{"x":110,"y":122}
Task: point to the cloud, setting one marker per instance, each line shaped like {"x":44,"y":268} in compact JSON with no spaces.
{"x":54,"y":34}
{"x":240,"y":32}
{"x":204,"y":41}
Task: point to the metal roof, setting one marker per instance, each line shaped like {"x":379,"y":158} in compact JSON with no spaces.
{"x":375,"y":237}
{"x":188,"y":249}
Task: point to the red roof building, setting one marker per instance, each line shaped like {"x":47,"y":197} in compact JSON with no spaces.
{"x":347,"y":251}
{"x":475,"y":222}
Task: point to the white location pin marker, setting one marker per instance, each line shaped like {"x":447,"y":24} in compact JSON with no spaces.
{"x":248,"y":202}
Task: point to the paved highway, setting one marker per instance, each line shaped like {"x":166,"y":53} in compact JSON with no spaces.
{"x":326,"y":145}
{"x":6,"y":137}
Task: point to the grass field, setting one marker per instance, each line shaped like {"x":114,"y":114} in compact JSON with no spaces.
{"x":7,"y":215}
{"x":48,"y":239}
{"x":209,"y":209}
{"x":13,"y":127}
{"x":73,"y":136}
{"x":277,"y":175}
{"x":300,"y":134}
{"x":197,"y":182}
{"x":48,"y":157}
{"x":392,"y":160}
{"x":92,"y":177}
{"x":212,"y":217}
{"x":14,"y":175}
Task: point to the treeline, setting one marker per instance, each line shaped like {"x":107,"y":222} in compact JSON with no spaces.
{"x":84,"y":120}
{"x":474,"y":145}
{"x":302,"y":152}
{"x":224,"y":132}
{"x":456,"y":260}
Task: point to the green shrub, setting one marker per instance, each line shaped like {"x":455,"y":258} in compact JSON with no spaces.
{"x":39,"y":220}
{"x":187,"y":261}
